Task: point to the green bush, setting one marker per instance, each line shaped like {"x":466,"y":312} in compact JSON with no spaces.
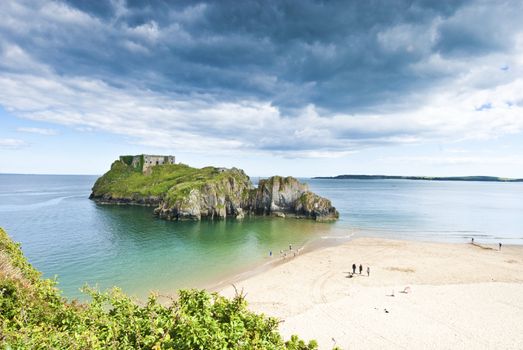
{"x":33,"y":315}
{"x":128,"y":160}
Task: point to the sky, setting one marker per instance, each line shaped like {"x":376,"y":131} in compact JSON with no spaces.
{"x":302,"y":88}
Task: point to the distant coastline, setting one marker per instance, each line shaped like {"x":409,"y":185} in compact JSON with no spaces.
{"x":426,"y":178}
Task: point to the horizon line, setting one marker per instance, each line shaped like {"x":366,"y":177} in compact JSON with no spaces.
{"x":306,"y":177}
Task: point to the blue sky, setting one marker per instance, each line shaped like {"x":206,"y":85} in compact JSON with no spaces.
{"x":300,"y":88}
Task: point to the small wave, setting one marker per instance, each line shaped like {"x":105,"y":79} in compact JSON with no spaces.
{"x":341,"y":235}
{"x":31,"y":193}
{"x":31,"y":206}
{"x":337,"y":237}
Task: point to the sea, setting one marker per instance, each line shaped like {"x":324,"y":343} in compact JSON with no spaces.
{"x":78,"y":242}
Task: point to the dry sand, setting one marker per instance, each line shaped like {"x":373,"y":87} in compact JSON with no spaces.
{"x":462,"y":296}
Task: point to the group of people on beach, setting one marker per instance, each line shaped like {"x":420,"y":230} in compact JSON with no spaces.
{"x":283,"y":253}
{"x":360,"y":268}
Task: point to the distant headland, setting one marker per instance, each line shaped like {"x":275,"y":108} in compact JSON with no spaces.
{"x":181,"y":192}
{"x":426,"y":178}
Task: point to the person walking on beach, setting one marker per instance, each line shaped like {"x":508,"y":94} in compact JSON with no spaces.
{"x":361,"y":269}
{"x":472,"y":240}
{"x":368,"y":271}
{"x":353,"y":269}
{"x":499,"y":245}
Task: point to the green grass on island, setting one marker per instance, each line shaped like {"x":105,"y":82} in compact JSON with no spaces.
{"x":34,"y":315}
{"x":171,"y":182}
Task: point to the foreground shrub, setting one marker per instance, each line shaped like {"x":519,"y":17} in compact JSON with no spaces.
{"x":33,"y":315}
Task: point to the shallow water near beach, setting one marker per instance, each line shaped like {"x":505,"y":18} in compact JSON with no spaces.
{"x":64,"y":234}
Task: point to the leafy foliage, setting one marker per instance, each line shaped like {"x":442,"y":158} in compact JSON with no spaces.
{"x":127,"y":159}
{"x":33,"y":315}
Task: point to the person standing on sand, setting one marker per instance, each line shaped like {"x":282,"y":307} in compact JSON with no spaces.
{"x":499,"y":245}
{"x":368,"y":271}
{"x":353,"y":269}
{"x":472,"y":240}
{"x":361,"y":269}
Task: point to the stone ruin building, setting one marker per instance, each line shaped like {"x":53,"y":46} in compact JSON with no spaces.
{"x":145,"y":162}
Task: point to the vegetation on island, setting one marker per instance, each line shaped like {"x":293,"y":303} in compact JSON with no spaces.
{"x":169,"y":182}
{"x":426,"y":178}
{"x":34,"y":315}
{"x":180,"y":192}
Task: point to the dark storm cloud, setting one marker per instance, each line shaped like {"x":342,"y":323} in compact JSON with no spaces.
{"x":479,"y":30}
{"x":329,"y":53}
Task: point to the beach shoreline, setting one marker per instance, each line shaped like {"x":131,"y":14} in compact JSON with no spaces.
{"x":257,"y":268}
{"x":418,"y":295}
{"x":317,"y":244}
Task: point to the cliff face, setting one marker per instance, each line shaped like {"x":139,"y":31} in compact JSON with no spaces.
{"x":287,"y":196}
{"x":276,"y":195}
{"x":313,"y":206}
{"x":214,"y":199}
{"x":180,"y":192}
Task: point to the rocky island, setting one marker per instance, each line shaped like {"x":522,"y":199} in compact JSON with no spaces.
{"x":181,"y":192}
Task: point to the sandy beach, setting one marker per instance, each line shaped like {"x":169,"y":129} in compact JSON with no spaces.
{"x":458,"y":296}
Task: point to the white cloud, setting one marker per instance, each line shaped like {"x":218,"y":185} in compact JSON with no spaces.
{"x":204,"y":123}
{"x":12,"y":143}
{"x":201,"y":124}
{"x":147,"y":31}
{"x":61,"y":13}
{"x":134,"y":47}
{"x":409,"y":37}
{"x":41,"y":131}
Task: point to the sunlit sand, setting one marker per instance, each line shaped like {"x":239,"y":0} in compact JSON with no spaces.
{"x":418,"y":295}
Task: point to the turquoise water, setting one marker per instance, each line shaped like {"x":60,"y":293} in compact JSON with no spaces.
{"x":66,"y":235}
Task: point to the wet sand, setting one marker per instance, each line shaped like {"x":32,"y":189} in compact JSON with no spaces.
{"x":458,"y":295}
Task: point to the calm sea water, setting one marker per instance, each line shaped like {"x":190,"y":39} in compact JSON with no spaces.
{"x":64,"y":234}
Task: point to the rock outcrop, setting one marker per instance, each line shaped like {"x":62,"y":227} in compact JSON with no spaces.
{"x":216,"y":199}
{"x":283,"y":196}
{"x":180,"y":192}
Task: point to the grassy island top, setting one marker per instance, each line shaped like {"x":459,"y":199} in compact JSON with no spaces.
{"x":168,"y":181}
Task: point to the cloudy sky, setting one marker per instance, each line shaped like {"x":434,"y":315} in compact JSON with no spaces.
{"x":298,"y":88}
